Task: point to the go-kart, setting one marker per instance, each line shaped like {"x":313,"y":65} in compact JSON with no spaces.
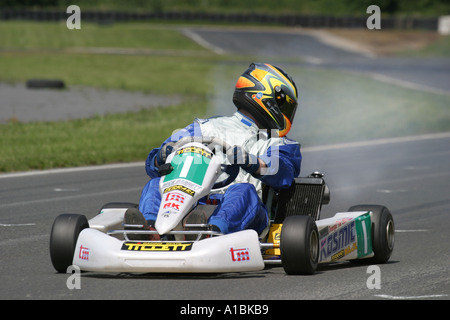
{"x":296,"y":237}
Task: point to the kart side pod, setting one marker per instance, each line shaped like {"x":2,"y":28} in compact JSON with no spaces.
{"x":365,"y":233}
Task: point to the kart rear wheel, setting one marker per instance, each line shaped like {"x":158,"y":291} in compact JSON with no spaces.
{"x":299,"y":245}
{"x":383,"y":232}
{"x":63,"y":239}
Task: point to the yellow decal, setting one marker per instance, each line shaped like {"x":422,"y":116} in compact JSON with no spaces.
{"x":274,"y":237}
{"x":194,"y":149}
{"x":181,"y":188}
{"x":157,"y":246}
{"x":342,"y":253}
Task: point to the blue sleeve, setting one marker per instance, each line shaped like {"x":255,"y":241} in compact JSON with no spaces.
{"x":192,"y":130}
{"x":284,"y":162}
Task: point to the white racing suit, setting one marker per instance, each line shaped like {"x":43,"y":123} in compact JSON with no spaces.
{"x":240,"y":206}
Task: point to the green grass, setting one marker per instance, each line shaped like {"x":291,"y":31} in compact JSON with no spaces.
{"x":50,"y":35}
{"x":34,"y":50}
{"x":29,"y":52}
{"x":154,"y":74}
{"x":335,"y":106}
{"x":99,"y":140}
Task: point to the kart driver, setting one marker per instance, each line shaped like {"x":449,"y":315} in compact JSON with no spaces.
{"x":266,"y":98}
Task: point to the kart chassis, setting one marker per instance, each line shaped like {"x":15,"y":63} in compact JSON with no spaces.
{"x":295,"y":238}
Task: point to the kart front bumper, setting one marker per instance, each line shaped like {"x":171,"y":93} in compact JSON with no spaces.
{"x":237,"y":252}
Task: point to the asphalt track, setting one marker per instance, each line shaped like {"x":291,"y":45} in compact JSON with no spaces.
{"x":410,"y":176}
{"x":321,"y":50}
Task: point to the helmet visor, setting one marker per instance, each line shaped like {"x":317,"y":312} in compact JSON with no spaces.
{"x":288,"y":109}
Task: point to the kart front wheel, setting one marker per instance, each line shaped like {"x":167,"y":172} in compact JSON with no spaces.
{"x":383,"y":229}
{"x":299,"y":245}
{"x":63,"y":239}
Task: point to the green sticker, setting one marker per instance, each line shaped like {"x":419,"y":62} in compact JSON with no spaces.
{"x":364,"y":235}
{"x":191,"y":166}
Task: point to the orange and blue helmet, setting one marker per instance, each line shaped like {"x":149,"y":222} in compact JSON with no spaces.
{"x":269,"y":94}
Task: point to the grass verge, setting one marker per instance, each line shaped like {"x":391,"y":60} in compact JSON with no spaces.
{"x":98,"y":140}
{"x":53,"y":35}
{"x":335,"y":106}
{"x":42,"y":50}
{"x":168,"y":75}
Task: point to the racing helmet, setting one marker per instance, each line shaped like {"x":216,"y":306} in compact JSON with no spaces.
{"x":269,"y":95}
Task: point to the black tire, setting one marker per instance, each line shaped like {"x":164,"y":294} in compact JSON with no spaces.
{"x":45,"y":83}
{"x":63,"y":239}
{"x":299,"y":245}
{"x":119,"y":205}
{"x":383,"y":232}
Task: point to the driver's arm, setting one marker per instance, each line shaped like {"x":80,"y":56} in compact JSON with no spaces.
{"x":281,"y":165}
{"x":152,"y":163}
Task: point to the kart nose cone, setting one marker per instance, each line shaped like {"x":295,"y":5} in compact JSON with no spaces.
{"x":163,"y":226}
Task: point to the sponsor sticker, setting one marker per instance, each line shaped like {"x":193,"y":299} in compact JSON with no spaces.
{"x":180,"y":188}
{"x":176,"y":197}
{"x":274,"y":237}
{"x":191,"y":164}
{"x":157,"y":246}
{"x":83,"y":253}
{"x":194,"y":149}
{"x":241,"y":254}
{"x":336,"y":244}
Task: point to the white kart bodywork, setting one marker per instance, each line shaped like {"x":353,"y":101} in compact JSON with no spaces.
{"x":106,"y":247}
{"x":96,"y":251}
{"x":345,"y":236}
{"x":103,"y":251}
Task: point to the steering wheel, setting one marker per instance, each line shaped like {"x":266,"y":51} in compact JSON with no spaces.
{"x":231,"y":169}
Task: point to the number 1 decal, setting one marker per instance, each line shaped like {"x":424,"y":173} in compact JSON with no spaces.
{"x":186,"y":166}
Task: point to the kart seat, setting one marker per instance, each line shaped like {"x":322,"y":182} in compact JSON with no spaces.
{"x":305,"y":196}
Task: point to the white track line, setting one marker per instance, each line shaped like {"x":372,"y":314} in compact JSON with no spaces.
{"x":70,"y":197}
{"x":370,"y":143}
{"x":69,"y":170}
{"x":431,"y":296}
{"x":16,"y":224}
{"x":202,"y":42}
{"x":405,"y":84}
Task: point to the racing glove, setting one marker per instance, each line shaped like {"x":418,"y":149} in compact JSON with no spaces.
{"x":247,"y":161}
{"x":163,"y":153}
